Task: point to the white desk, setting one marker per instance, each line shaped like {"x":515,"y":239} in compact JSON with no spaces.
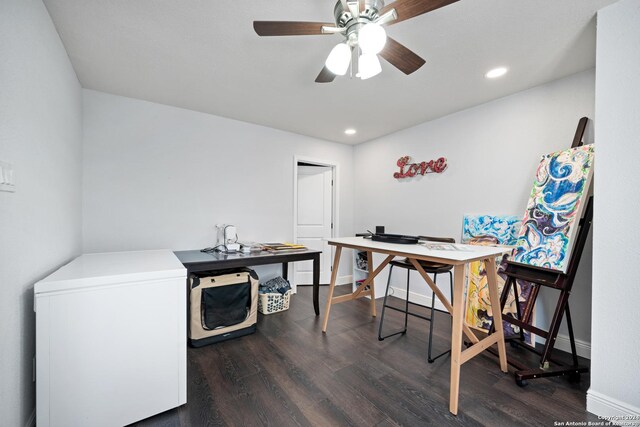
{"x":458,"y":258}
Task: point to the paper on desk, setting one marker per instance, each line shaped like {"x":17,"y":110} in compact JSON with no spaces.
{"x":459,"y":247}
{"x":440,"y":246}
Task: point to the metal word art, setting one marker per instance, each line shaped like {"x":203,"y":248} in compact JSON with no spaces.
{"x":408,"y":170}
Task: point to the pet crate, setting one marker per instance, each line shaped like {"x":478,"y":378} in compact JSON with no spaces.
{"x":222,"y":305}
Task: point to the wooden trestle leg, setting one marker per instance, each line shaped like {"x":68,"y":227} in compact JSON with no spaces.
{"x":332,"y":285}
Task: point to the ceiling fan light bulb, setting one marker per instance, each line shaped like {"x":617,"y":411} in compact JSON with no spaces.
{"x":372,"y":38}
{"x":339,"y":59}
{"x":369,"y":65}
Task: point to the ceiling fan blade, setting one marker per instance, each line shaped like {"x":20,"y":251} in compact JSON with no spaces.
{"x":325,"y":76}
{"x":408,"y":9}
{"x":401,"y":57}
{"x":290,"y":28}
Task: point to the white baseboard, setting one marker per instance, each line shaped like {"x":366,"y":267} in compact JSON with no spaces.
{"x":341,"y":280}
{"x":344,"y":280}
{"x":611,"y":409}
{"x":583,"y":348}
{"x":31,"y":422}
{"x":416,"y":298}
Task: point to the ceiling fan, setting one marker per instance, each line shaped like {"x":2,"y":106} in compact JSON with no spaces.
{"x":361,"y":22}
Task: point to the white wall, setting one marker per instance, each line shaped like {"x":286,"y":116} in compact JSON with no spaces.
{"x":40,"y":134}
{"x":615,"y":378}
{"x":493,"y":151}
{"x":161,"y":177}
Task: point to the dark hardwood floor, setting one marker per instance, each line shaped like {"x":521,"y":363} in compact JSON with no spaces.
{"x":290,"y":373}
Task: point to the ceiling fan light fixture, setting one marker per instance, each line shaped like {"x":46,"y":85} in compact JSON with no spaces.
{"x":369,"y":66}
{"x":372,"y":38}
{"x":339,"y":59}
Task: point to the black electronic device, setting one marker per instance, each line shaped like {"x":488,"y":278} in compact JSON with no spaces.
{"x":366,"y":235}
{"x":395,"y":238}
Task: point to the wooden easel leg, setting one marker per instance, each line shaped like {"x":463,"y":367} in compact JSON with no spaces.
{"x":503,"y":299}
{"x":490,"y":267}
{"x":556,"y":320}
{"x":332,"y":285}
{"x":572,"y":339}
{"x":531,"y":302}
{"x":456,"y":336}
{"x":372,"y":287}
{"x":516,"y":296}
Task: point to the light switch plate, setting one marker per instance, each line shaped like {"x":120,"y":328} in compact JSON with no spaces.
{"x":7,"y":177}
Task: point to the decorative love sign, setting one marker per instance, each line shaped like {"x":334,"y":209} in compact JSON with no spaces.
{"x":408,"y":170}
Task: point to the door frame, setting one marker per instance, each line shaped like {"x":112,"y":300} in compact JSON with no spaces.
{"x":335,"y":201}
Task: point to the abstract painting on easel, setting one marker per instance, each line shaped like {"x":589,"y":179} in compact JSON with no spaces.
{"x":491,"y":230}
{"x":554,"y":209}
{"x":504,"y":228}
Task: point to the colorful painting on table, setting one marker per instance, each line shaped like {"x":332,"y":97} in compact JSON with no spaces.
{"x":504,"y":228}
{"x":554,"y":209}
{"x":478,"y":312}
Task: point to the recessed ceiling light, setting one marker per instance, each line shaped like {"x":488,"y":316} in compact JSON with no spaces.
{"x":350,"y":131}
{"x":496,"y":72}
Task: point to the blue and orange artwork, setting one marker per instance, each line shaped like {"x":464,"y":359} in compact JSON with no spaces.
{"x":478,"y":312}
{"x":504,"y":228}
{"x":554,"y":209}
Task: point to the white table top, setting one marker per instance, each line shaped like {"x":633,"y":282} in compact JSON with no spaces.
{"x":92,"y":270}
{"x":458,"y":254}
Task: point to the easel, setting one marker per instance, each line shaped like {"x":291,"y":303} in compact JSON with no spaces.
{"x":554,"y":279}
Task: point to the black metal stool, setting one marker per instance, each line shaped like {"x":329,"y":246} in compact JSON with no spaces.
{"x":429,"y":267}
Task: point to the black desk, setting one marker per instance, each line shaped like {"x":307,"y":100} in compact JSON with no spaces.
{"x":196,"y":261}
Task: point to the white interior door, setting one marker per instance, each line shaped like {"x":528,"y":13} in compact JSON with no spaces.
{"x":314,"y":222}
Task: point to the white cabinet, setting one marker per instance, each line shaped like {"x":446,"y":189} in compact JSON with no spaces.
{"x":111,"y":339}
{"x":360,"y":271}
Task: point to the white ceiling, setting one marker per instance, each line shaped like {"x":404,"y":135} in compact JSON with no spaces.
{"x":204,"y":55}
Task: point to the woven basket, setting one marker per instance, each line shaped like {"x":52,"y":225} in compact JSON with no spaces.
{"x":273,"y":303}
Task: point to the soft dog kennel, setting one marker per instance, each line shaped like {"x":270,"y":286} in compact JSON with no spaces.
{"x":222,"y":305}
